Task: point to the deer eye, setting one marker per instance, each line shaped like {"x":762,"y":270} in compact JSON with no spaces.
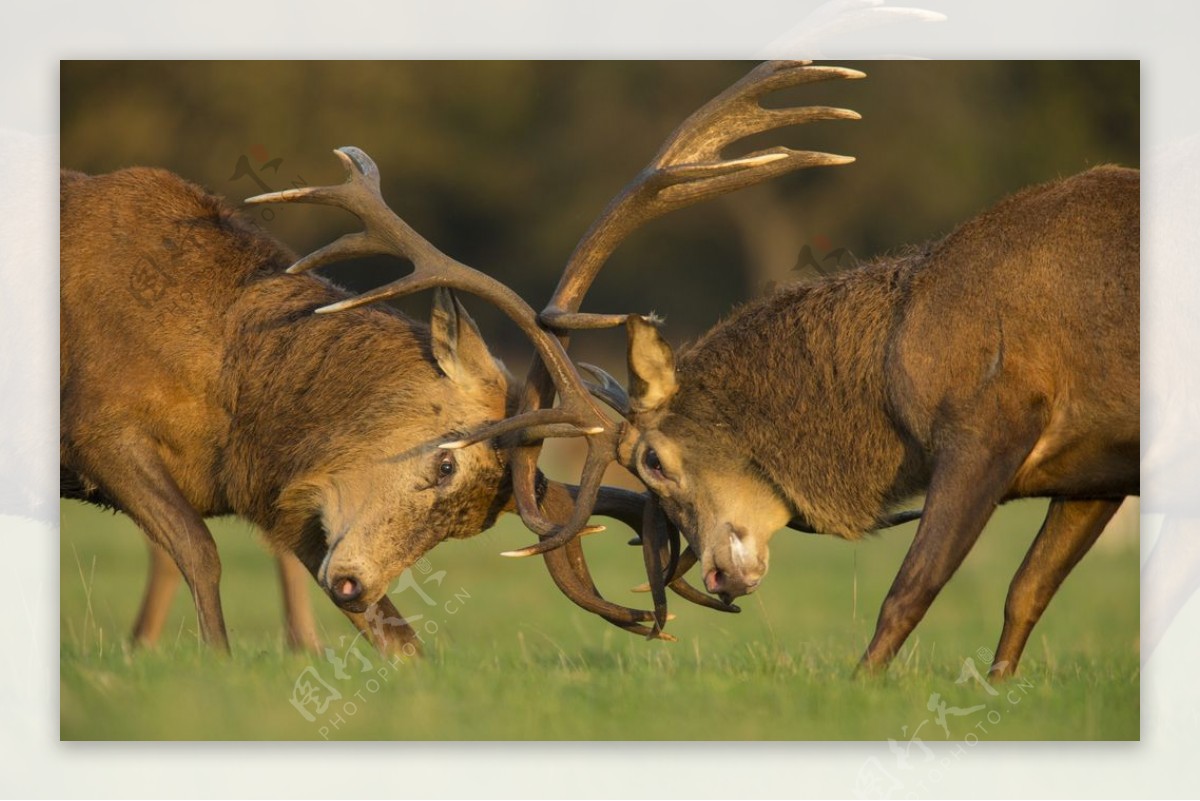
{"x":446,"y":466}
{"x":652,"y":463}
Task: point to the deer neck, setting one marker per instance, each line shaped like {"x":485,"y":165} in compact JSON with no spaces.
{"x":294,"y":389}
{"x":798,"y":379}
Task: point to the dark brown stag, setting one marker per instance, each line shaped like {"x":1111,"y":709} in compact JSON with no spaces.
{"x":999,"y":363}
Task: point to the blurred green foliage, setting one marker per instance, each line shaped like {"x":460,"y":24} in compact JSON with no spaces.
{"x":504,"y":164}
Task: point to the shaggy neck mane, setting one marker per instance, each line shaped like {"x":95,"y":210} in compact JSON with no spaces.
{"x":797,"y":381}
{"x":289,"y":373}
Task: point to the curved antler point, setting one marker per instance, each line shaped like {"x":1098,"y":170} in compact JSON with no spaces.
{"x":517,"y":554}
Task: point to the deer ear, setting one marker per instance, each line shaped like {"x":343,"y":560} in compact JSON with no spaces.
{"x":458,"y":347}
{"x":652,"y":379}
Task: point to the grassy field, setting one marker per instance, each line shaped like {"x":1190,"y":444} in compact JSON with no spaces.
{"x":508,"y":657}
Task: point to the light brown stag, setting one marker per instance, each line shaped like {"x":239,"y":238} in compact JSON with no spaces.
{"x":196,"y":381}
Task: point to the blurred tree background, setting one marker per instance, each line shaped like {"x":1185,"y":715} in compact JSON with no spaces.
{"x":504,"y":164}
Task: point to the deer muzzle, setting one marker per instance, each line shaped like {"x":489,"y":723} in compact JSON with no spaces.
{"x":734,"y":568}
{"x":344,"y":581}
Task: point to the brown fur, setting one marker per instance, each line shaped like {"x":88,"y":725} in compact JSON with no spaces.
{"x":1001,"y":361}
{"x":194,"y":369}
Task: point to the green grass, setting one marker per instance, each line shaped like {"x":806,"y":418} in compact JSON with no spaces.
{"x":513,"y":659}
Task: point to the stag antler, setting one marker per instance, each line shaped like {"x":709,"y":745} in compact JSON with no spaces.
{"x":688,"y":168}
{"x":576,"y":415}
{"x":384,"y":232}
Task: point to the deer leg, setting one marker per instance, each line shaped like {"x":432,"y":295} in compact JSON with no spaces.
{"x":967,"y":484}
{"x":387,"y":630}
{"x":301,"y":627}
{"x":161,"y":584}
{"x":142,"y":487}
{"x":1070,"y":529}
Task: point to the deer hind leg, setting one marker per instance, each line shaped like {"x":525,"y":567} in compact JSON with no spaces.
{"x":1070,"y":529}
{"x":297,"y":609}
{"x":142,"y":487}
{"x":161,"y":584}
{"x":967,"y":483}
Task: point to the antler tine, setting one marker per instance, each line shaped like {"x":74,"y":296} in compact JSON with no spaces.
{"x":735,"y":114}
{"x":385,"y":232}
{"x":688,"y":168}
{"x":678,"y":585}
{"x":608,"y":390}
{"x":568,"y":566}
{"x":600,"y":455}
{"x":562,"y":563}
{"x":654,"y":542}
{"x":689,"y":593}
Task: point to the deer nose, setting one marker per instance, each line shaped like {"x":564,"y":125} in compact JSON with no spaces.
{"x":727,"y":585}
{"x":346,"y":590}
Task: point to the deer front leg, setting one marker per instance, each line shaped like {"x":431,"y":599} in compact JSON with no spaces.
{"x":967,"y":483}
{"x":381,"y":623}
{"x":387,"y":630}
{"x":1070,"y":529}
{"x":142,"y":487}
{"x":163,"y":581}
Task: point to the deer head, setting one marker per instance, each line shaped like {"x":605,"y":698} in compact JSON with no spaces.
{"x":688,"y":168}
{"x":388,"y":493}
